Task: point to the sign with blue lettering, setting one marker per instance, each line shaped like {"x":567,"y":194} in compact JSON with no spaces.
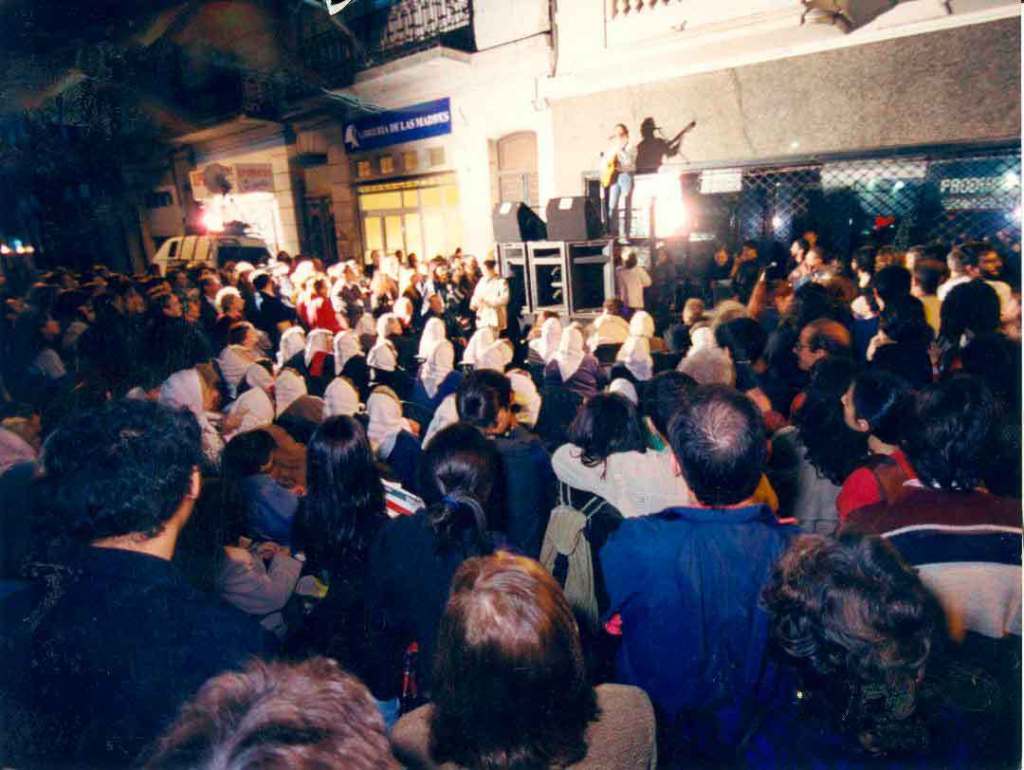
{"x":383,"y":129}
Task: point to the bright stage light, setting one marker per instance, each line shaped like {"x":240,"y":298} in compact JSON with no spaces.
{"x":213,"y":219}
{"x":776,"y":222}
{"x":670,"y":215}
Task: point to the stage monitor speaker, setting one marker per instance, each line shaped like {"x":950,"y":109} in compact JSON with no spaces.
{"x":515,"y":221}
{"x":573,"y":218}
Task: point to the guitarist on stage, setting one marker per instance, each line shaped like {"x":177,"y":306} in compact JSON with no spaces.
{"x":652,"y":149}
{"x":618,"y":167}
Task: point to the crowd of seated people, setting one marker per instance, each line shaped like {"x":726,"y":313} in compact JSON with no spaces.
{"x":372,"y":516}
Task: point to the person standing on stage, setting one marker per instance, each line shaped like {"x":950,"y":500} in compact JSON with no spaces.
{"x":618,"y":167}
{"x":490,"y":298}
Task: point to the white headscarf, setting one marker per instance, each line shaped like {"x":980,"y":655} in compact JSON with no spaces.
{"x":366,"y":325}
{"x":384,"y":325}
{"x":609,"y":329}
{"x":701,"y":338}
{"x":257,"y":376}
{"x":346,"y":345}
{"x":433,"y":335}
{"x":234,"y":361}
{"x":256,"y":408}
{"x":624,"y":387}
{"x":404,"y":310}
{"x":547,"y":343}
{"x":340,"y":398}
{"x":184,"y":390}
{"x":438,"y":365}
{"x":318,"y":341}
{"x":570,"y":352}
{"x":447,"y":414}
{"x":481,"y":339}
{"x":641,"y":324}
{"x":383,"y":356}
{"x":386,"y":421}
{"x":293,"y":340}
{"x":495,"y":356}
{"x":524,"y":393}
{"x":635,"y":353}
{"x":288,"y":387}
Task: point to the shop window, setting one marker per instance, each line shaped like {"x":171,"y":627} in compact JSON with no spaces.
{"x":364,"y":169}
{"x":410,"y":161}
{"x":387,"y":164}
{"x":517,"y":169}
{"x":380,"y":201}
{"x":436,"y":157}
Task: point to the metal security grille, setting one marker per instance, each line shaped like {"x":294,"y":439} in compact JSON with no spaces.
{"x":902,"y":201}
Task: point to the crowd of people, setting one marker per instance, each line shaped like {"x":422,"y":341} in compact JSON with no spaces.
{"x":371,"y":516}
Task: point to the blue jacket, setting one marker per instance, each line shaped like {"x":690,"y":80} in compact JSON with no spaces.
{"x":687,"y":583}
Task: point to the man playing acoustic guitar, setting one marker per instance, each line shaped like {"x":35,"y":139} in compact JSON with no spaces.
{"x":618,"y":166}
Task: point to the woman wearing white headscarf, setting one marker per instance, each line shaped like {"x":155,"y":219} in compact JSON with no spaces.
{"x":642,"y":325}
{"x":288,"y":387}
{"x":383,"y":357}
{"x":482,"y":338}
{"x":234,"y":361}
{"x":573,"y":368}
{"x":623,"y":387}
{"x":341,"y":398}
{"x":432,"y":336}
{"x":293,"y":342}
{"x":317,"y":361}
{"x":257,"y":376}
{"x":437,"y":377}
{"x":546,"y":344}
{"x":404,"y":311}
{"x":350,"y":362}
{"x":186,"y":389}
{"x":634,"y":360}
{"x":526,"y":396}
{"x":392,"y":437}
{"x":496,"y":356}
{"x":254,"y":408}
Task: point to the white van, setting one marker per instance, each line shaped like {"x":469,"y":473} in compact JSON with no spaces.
{"x":213,"y":250}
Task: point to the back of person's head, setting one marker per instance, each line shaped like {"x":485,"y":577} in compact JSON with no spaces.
{"x":829,"y":336}
{"x":709,"y":366}
{"x":693,"y":311}
{"x":744,"y":338}
{"x":481,"y":397}
{"x":810,"y":302}
{"x":511,"y":688}
{"x":278,"y":716}
{"x":903,"y":320}
{"x":972,"y":307}
{"x":880,"y":399}
{"x":663,"y":394}
{"x":863,"y":260}
{"x":605,"y":424}
{"x":860,"y":625}
{"x":948,"y":431}
{"x":261,"y":282}
{"x":247,"y":454}
{"x":995,"y":359}
{"x":630,"y":262}
{"x":889,"y":256}
{"x":833,"y":448}
{"x":969,"y":254}
{"x":459,"y":473}
{"x":238,"y":332}
{"x":718,"y":439}
{"x":613,"y":306}
{"x":122,"y":468}
{"x":891,"y":282}
{"x":344,"y":501}
{"x":928,"y":274}
{"x":910,"y":362}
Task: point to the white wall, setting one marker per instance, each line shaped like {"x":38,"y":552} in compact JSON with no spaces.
{"x":496,"y":22}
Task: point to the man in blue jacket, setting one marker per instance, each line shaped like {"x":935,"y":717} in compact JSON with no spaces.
{"x":686,"y":582}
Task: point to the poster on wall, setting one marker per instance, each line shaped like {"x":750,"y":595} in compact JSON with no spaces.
{"x":383,"y":129}
{"x":254,"y":177}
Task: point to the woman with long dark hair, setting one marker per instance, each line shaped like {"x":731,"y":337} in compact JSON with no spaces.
{"x":512,"y":689}
{"x":414,"y":557}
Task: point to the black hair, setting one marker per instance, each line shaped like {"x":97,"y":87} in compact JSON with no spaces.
{"x":891,"y":282}
{"x":458,"y":474}
{"x":344,"y":503}
{"x":663,"y":394}
{"x":908,"y":362}
{"x":247,"y":453}
{"x":833,"y":448}
{"x":972,"y":306}
{"x":970,"y":254}
{"x":903,"y":320}
{"x":929,"y":274}
{"x":865,"y":259}
{"x":744,"y":338}
{"x":718,"y":438}
{"x":606,"y":423}
{"x":880,"y":398}
{"x":996,"y":360}
{"x":121,"y":468}
{"x":482,"y":394}
{"x":237,"y":332}
{"x":260,"y":282}
{"x":948,"y":432}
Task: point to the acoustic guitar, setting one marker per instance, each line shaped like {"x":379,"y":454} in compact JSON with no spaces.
{"x":610,"y":171}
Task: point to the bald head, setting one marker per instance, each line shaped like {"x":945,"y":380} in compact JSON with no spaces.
{"x":718,"y":439}
{"x":821,"y":339}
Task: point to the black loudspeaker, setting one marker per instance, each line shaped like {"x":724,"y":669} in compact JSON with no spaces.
{"x":573,"y":218}
{"x":515,"y":221}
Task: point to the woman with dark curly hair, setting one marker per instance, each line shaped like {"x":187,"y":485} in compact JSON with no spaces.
{"x":512,"y":690}
{"x":811,"y":458}
{"x":862,"y":632}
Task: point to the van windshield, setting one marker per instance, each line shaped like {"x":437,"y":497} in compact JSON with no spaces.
{"x":253,"y":254}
